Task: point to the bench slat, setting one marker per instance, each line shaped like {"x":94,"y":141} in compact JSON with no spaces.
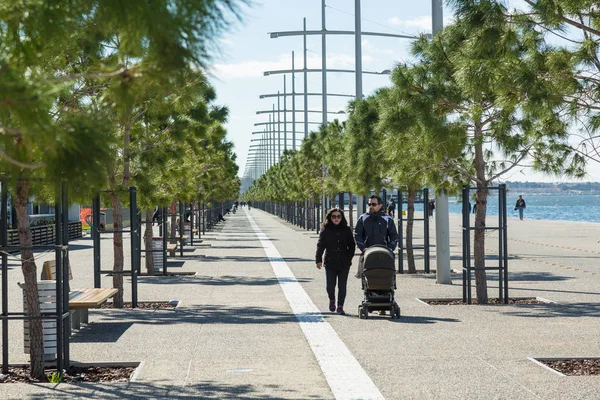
{"x":91,"y":297}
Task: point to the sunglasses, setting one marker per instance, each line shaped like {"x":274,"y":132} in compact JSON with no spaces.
{"x":373,"y":204}
{"x":336,"y":216}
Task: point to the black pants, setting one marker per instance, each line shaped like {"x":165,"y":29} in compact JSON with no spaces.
{"x":342,"y":279}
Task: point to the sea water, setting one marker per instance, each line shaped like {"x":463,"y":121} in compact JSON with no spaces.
{"x":564,"y":207}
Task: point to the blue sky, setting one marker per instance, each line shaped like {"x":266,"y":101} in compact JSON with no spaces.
{"x":246,"y":51}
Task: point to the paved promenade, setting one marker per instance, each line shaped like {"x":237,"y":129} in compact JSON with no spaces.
{"x":253,"y":323}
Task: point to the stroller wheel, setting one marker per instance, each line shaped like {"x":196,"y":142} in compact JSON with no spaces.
{"x":392,"y":311}
{"x":360,"y":312}
{"x":397,"y":310}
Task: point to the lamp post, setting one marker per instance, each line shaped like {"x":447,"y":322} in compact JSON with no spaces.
{"x":442,"y":223}
{"x":324,"y":62}
{"x":285,"y":112}
{"x":293,"y":103}
{"x":357,"y":33}
{"x":294,"y":139}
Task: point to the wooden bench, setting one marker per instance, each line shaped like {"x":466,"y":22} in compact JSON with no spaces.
{"x":184,"y":239}
{"x":80,"y":300}
{"x":171,"y":247}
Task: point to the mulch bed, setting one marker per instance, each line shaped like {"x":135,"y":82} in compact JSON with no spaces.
{"x":494,"y":301}
{"x":73,"y":375}
{"x":575,"y":367}
{"x":418,"y":272}
{"x":144,"y":304}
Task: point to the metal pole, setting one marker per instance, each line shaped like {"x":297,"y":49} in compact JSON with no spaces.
{"x":400,"y":234}
{"x":305,"y":87}
{"x":181,"y":226}
{"x":437,"y":15}
{"x":165,"y":233}
{"x":505,"y":243}
{"x":426,"y":230}
{"x":293,"y":104}
{"x":58,"y":241}
{"x":133,"y":239}
{"x":4,"y":243}
{"x":96,"y":239}
{"x":272,"y":143}
{"x":284,"y":113}
{"x":65,"y":283}
{"x":442,"y":219}
{"x":358,"y":49}
{"x":465,"y":242}
{"x":360,"y":202}
{"x":278,"y":128}
{"x":324,"y":62}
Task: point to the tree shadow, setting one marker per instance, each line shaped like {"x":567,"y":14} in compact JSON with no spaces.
{"x":554,"y":310}
{"x":219,"y":281}
{"x":163,"y":389}
{"x":80,"y":246}
{"x":175,"y":264}
{"x":254,"y":259}
{"x":537,"y":289}
{"x":529,"y":276}
{"x":236,"y":247}
{"x":201,"y":314}
{"x":105,"y":332}
{"x":416,"y":319}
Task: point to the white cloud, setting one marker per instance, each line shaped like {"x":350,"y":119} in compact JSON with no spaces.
{"x":368,"y":48}
{"x":228,"y":42}
{"x":517,"y":4}
{"x":422,"y":23}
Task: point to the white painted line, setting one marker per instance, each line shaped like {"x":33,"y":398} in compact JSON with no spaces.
{"x":136,"y":372}
{"x":545,"y":300}
{"x":422,"y":302}
{"x":541,"y":364}
{"x":344,"y":374}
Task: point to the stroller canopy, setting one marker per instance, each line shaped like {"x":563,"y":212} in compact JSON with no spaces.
{"x":378,"y":257}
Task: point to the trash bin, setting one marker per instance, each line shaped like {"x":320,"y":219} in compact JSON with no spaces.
{"x":47,"y":299}
{"x":187,"y":231}
{"x":157,"y":244}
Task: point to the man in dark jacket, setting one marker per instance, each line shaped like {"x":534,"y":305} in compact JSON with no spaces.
{"x":374,"y":228}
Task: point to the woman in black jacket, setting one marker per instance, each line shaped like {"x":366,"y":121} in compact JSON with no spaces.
{"x":337,"y":241}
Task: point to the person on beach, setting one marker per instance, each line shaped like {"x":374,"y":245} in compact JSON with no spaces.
{"x":520,"y":205}
{"x":337,"y":242}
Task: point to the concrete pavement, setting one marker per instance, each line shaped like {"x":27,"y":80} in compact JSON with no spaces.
{"x":235,"y":334}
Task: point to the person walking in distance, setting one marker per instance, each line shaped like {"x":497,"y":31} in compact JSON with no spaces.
{"x":336,"y":241}
{"x":156,"y":216}
{"x":391,"y":208}
{"x":520,"y":206}
{"x":374,"y":228}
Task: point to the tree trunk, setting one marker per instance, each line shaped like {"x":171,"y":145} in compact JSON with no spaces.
{"x":350,"y":211}
{"x":118,"y":250}
{"x":479,"y":247}
{"x":410,"y":215}
{"x":173,"y":233}
{"x":36,"y":345}
{"x":479,"y":241}
{"x":148,"y":243}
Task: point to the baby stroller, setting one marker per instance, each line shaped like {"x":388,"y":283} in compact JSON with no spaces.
{"x":378,"y":282}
